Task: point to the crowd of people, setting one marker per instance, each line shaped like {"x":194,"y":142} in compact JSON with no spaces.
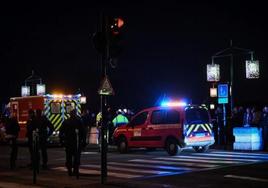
{"x":241,"y":117}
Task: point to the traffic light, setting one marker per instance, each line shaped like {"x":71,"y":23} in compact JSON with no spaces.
{"x":116,"y":25}
{"x":110,"y":36}
{"x":115,"y":36}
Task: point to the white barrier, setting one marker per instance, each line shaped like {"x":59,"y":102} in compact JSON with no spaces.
{"x":247,"y":138}
{"x":93,"y":135}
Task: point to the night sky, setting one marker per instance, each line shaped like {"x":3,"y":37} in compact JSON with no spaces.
{"x":166,"y":47}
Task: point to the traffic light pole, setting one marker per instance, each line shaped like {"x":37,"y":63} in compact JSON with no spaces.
{"x":103,"y":41}
{"x":104,"y":58}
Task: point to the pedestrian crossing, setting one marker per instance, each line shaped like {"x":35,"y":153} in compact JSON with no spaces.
{"x":167,"y":165}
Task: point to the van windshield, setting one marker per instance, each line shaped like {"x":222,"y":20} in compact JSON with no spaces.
{"x":196,"y":115}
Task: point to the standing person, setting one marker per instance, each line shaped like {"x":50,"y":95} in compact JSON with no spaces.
{"x":12,"y":131}
{"x":247,"y":119}
{"x":220,"y":125}
{"x":120,"y":119}
{"x":71,"y":135}
{"x":240,"y":115}
{"x":98,"y":126}
{"x":31,"y":126}
{"x":86,"y":119}
{"x":45,"y":130}
{"x":256,"y":116}
{"x":264,"y":125}
{"x":110,"y":125}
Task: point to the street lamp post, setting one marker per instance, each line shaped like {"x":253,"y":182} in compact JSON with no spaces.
{"x":213,"y":75}
{"x":231,"y":52}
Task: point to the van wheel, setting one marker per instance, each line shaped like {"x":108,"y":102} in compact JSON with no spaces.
{"x":200,"y":149}
{"x":172,"y":147}
{"x":122,"y":145}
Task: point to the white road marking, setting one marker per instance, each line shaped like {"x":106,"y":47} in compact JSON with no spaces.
{"x":90,"y":171}
{"x":241,"y":153}
{"x":153,"y":166}
{"x":158,"y":162}
{"x":89,"y":153}
{"x":216,"y":158}
{"x":231,"y":155}
{"x":198,"y":160}
{"x":109,"y":167}
{"x":246,"y":178}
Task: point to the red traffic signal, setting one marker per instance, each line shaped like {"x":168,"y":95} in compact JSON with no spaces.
{"x":116,"y":25}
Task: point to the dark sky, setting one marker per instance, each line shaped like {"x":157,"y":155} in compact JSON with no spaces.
{"x":166,"y":48}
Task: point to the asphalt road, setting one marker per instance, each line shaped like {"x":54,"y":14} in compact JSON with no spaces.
{"x":141,"y":168}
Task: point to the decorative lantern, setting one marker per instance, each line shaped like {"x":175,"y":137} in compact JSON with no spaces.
{"x":213,"y":72}
{"x":83,"y":100}
{"x":25,"y":91}
{"x":213,"y":92}
{"x":252,"y":69}
{"x":40,"y":89}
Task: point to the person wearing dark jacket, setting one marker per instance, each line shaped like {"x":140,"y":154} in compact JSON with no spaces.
{"x":12,"y":131}
{"x":45,"y":130}
{"x":72,"y":134}
{"x":31,"y":126}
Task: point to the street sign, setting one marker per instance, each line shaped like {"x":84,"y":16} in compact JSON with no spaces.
{"x":223,"y":90}
{"x":106,"y":87}
{"x":223,"y":100}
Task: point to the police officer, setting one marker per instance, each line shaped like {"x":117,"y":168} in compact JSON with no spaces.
{"x":12,"y":131}
{"x":45,"y":130}
{"x":71,"y":136}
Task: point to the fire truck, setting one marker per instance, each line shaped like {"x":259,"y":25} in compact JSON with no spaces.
{"x":55,"y":107}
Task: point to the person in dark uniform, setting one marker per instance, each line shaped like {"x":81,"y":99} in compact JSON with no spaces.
{"x":31,"y":126}
{"x":45,"y":130}
{"x":86,"y":119}
{"x":12,"y":131}
{"x":72,"y":134}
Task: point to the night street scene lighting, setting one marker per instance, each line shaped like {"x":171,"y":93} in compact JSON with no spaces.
{"x":189,"y":80}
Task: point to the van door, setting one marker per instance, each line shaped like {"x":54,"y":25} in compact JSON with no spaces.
{"x":136,"y":127}
{"x":164,"y":123}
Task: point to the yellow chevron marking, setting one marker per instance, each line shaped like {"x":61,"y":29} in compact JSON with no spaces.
{"x":51,"y":117}
{"x":190,"y":129}
{"x":56,"y":118}
{"x":197,"y":127}
{"x":58,"y":123}
{"x":202,"y":125}
{"x":208,"y":127}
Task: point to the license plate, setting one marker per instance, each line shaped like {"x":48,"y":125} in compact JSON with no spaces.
{"x":199,"y":134}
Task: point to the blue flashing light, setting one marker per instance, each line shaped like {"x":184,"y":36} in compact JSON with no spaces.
{"x":173,"y":103}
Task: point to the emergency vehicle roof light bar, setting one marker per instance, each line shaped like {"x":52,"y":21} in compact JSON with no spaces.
{"x":173,"y":104}
{"x":60,"y":96}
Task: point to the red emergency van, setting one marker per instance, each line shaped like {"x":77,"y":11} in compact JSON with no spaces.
{"x":171,"y":127}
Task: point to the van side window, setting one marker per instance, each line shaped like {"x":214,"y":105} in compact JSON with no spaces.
{"x":158,"y":117}
{"x":173,"y":117}
{"x":165,"y":117}
{"x":139,"y":119}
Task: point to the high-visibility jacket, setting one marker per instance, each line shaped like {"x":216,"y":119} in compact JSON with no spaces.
{"x":120,"y":120}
